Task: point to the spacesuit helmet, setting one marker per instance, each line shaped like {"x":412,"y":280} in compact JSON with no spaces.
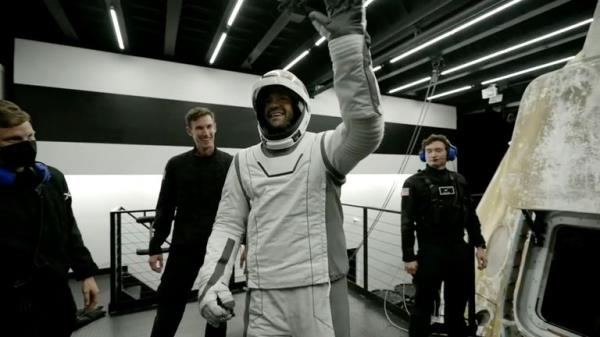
{"x":277,"y":139}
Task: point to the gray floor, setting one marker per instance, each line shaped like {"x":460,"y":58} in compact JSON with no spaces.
{"x":366,"y":319}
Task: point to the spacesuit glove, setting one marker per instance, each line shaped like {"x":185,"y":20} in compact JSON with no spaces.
{"x":344,"y":17}
{"x":217,"y":304}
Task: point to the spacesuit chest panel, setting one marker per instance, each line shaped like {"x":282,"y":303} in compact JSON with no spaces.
{"x":286,"y":234}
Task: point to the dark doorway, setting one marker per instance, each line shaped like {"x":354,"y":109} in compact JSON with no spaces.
{"x":572,"y":292}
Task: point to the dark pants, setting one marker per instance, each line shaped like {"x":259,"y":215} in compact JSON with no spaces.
{"x":451,"y":264}
{"x":44,"y":307}
{"x":174,"y":291}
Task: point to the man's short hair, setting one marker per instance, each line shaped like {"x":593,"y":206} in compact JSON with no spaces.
{"x":197,"y":112}
{"x":433,"y":138}
{"x":11,"y":114}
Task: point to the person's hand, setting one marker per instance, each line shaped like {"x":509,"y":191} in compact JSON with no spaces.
{"x":217,"y":304}
{"x":411,"y":267}
{"x":90,"y":291}
{"x":481,"y":258}
{"x":156,"y":262}
{"x":343,"y":17}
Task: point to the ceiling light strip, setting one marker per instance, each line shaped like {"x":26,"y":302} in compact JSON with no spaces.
{"x":234,"y":13}
{"x":411,"y":84}
{"x":450,"y":92}
{"x":367,"y":3}
{"x":115,"y":21}
{"x":296,"y":60}
{"x":518,"y":46}
{"x":320,"y":41}
{"x":218,"y":48}
{"x":376,"y":69}
{"x":455,"y":30}
{"x":528,"y":70}
{"x":230,"y":21}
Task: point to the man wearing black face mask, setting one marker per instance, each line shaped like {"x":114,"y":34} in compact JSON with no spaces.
{"x":40,"y":232}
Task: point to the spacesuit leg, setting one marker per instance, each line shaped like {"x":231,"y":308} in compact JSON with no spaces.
{"x":298,"y":312}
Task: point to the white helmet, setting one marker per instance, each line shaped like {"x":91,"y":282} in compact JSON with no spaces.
{"x":290,"y":136}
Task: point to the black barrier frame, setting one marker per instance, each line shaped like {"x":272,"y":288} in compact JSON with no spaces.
{"x":121,"y":302}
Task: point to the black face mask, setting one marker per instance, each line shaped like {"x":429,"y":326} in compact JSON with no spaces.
{"x":17,"y":155}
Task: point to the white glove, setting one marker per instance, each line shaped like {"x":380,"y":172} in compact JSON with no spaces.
{"x":217,"y":304}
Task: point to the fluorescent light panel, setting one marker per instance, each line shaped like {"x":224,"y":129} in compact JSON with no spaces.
{"x":296,"y":60}
{"x":450,"y":92}
{"x":528,"y":70}
{"x":320,"y":40}
{"x":218,"y":48}
{"x":234,"y":13}
{"x":455,"y":30}
{"x":517,"y":46}
{"x":411,"y":84}
{"x":115,"y":21}
{"x":376,"y":69}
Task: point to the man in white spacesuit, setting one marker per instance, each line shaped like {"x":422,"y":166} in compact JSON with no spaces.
{"x":283,"y":195}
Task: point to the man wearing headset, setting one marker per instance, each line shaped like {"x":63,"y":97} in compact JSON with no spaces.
{"x":437,"y":205}
{"x":40,"y":233}
{"x":283,"y":195}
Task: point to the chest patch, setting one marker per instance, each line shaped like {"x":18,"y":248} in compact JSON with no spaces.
{"x":446,"y":190}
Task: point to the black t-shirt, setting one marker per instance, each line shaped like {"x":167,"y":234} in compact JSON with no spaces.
{"x":190,"y":195}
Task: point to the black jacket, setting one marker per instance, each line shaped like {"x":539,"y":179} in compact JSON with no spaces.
{"x":190,"y":195}
{"x":437,"y":205}
{"x":40,"y":231}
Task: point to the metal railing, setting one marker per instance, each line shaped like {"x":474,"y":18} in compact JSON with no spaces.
{"x":132,"y":284}
{"x":373,"y":236}
{"x":375,"y":256}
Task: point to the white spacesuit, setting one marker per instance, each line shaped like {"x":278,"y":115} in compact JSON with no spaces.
{"x":283,"y":196}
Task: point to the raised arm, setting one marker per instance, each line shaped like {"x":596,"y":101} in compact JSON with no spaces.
{"x":355,"y":85}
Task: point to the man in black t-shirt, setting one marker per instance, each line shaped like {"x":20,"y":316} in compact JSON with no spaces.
{"x":189,"y":195}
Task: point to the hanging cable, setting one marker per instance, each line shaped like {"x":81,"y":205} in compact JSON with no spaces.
{"x":431,"y":87}
{"x":411,"y":145}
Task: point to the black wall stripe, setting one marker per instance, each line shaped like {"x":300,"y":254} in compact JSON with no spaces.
{"x":90,"y":117}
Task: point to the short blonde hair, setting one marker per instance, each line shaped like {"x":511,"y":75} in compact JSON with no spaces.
{"x":12,"y":115}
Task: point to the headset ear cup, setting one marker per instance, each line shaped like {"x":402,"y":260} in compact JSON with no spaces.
{"x":422,"y":156}
{"x":452,"y":153}
{"x":43,"y":171}
{"x":7,"y":177}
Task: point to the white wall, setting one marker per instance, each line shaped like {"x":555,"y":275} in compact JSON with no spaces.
{"x":56,"y":66}
{"x":105,"y":176}
{"x":381,"y":191}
